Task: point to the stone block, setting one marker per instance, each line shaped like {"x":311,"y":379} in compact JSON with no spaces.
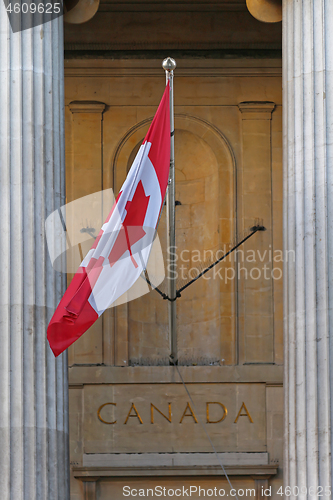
{"x":177,"y":436}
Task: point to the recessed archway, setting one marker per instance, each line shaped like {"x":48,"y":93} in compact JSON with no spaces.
{"x":206,"y":224}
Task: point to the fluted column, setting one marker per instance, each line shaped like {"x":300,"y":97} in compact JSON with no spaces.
{"x":33,"y":384}
{"x":308,"y":237}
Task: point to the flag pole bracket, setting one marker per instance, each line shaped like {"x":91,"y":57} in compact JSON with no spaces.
{"x":257,"y":227}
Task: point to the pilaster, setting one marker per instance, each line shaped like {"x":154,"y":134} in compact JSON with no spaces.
{"x":255,"y":271}
{"x":84,"y":176}
{"x":90,"y":489}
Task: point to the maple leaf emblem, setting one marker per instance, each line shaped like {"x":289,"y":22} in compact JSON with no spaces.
{"x":132,"y":227}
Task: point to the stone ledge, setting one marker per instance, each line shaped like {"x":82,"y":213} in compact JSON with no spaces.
{"x":97,"y":466}
{"x":166,"y":374}
{"x":96,"y":473}
{"x":119,"y":460}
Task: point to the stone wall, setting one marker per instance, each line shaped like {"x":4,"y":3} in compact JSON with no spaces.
{"x":228,"y":172}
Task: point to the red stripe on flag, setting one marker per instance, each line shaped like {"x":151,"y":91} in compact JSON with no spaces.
{"x":62,"y":331}
{"x":159,"y":137}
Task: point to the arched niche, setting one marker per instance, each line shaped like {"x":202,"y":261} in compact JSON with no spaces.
{"x":206,"y":224}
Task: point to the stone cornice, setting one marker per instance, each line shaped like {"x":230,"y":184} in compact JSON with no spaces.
{"x":77,"y":68}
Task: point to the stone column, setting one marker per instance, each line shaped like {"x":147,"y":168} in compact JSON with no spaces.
{"x":308,"y":244}
{"x":34,"y":459}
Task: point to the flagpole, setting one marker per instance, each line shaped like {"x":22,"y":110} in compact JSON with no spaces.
{"x":169,"y":65}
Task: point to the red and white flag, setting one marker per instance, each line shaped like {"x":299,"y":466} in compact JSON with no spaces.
{"x":121,"y":250}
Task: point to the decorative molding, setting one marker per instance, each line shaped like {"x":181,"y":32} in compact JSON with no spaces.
{"x":87,"y":107}
{"x":75,"y":68}
{"x":256,"y":110}
{"x":156,"y":45}
{"x":256,"y":106}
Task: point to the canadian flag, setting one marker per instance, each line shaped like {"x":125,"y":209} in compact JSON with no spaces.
{"x":121,"y":250}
